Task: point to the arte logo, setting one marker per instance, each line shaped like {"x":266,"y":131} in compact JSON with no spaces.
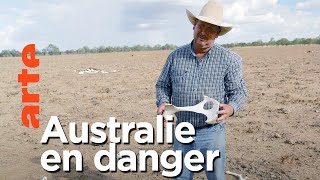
{"x":29,"y":59}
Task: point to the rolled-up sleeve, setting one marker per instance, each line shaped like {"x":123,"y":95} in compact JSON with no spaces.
{"x":235,"y":86}
{"x":163,"y":85}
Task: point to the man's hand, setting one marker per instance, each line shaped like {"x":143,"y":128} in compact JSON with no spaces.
{"x":161,"y":108}
{"x":225,"y":111}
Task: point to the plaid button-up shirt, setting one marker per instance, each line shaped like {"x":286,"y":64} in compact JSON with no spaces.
{"x":184,"y":81}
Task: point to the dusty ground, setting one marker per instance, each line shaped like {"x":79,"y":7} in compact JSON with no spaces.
{"x":276,"y":135}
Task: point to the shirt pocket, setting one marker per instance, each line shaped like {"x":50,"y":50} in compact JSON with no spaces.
{"x":178,"y":84}
{"x":181,"y":82}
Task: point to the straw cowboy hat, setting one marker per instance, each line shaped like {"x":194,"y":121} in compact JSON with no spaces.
{"x":211,"y":13}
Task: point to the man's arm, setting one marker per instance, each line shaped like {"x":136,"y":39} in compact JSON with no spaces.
{"x":163,"y":86}
{"x":235,"y":87}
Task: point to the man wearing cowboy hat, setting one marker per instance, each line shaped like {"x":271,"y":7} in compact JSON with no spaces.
{"x":203,"y":68}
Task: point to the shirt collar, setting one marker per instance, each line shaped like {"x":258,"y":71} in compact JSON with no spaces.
{"x":194,"y":54}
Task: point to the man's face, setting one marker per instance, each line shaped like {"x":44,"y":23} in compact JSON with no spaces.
{"x":204,"y":34}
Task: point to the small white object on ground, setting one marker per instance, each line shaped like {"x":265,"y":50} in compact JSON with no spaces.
{"x":89,"y":71}
{"x":212,"y":114}
{"x":94,"y":71}
{"x":237,"y":175}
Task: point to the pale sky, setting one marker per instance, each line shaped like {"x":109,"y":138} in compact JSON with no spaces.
{"x":72,"y":24}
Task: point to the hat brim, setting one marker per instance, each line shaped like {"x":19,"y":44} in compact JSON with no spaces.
{"x":225,"y":27}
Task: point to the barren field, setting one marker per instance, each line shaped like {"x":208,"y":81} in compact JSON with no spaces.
{"x":276,"y":135}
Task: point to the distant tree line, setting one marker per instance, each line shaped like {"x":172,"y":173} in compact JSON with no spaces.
{"x":54,"y":50}
{"x":273,"y":42}
{"x":104,"y":49}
